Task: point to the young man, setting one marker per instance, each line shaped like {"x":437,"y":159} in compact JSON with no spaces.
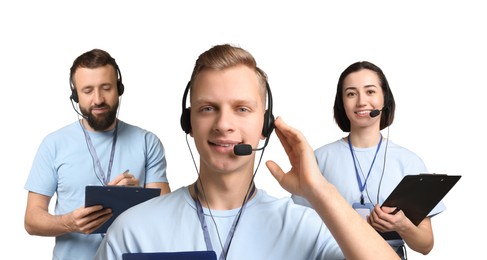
{"x":223,"y":211}
{"x":98,"y":149}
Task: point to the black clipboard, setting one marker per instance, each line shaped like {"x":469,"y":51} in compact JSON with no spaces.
{"x":118,"y":198}
{"x":417,"y":195}
{"x":185,"y":255}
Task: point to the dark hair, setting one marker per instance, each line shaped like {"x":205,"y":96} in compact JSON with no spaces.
{"x":91,"y":60}
{"x":387,"y":114}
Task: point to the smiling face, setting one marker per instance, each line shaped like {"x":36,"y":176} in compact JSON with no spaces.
{"x":227,"y":108}
{"x":362,"y":93}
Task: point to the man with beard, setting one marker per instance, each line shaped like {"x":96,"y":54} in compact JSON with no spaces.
{"x":97,"y":149}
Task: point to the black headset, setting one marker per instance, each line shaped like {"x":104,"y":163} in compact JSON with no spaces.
{"x":268,"y":116}
{"x":74,"y":93}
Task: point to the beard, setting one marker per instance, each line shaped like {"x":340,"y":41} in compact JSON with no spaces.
{"x":101,"y":122}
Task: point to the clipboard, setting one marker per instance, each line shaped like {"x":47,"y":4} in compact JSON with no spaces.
{"x":185,"y":255}
{"x":118,"y":198}
{"x":417,"y":195}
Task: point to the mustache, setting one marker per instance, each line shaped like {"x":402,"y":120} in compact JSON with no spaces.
{"x":102,"y":105}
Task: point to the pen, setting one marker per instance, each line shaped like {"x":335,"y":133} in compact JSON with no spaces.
{"x":126,"y":171}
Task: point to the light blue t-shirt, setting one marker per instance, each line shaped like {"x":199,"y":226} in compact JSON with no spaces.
{"x":269,"y":228}
{"x":63,"y":166}
{"x":336,"y":164}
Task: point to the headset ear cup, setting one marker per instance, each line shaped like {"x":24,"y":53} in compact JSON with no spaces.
{"x":186,"y":120}
{"x":268,"y":124}
{"x":74,"y":95}
{"x":120,"y":87}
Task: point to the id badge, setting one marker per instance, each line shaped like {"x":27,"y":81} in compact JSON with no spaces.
{"x":363,"y":209}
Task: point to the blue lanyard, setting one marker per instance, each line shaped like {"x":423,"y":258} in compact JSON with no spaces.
{"x":104,"y":180}
{"x":204,"y":226}
{"x":362,"y":187}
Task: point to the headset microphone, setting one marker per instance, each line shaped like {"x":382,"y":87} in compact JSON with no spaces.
{"x":243,"y":149}
{"x":246,"y":149}
{"x":71,"y":98}
{"x":375,"y":112}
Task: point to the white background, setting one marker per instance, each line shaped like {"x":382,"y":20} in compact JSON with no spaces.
{"x":433,"y":53}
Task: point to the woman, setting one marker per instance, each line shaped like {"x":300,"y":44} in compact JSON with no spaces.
{"x":365,"y":166}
